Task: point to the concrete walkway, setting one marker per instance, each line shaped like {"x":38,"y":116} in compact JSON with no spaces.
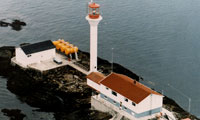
{"x":78,"y":68}
{"x":50,"y":64}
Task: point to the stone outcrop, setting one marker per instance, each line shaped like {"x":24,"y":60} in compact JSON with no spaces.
{"x":13,"y":114}
{"x":15,"y":24}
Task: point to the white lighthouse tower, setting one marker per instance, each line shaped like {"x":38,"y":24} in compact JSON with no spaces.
{"x":93,"y":18}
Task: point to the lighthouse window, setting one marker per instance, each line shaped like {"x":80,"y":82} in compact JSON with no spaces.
{"x":94,"y":11}
{"x":107,"y":88}
{"x":97,"y":10}
{"x":90,"y":10}
{"x":114,"y":93}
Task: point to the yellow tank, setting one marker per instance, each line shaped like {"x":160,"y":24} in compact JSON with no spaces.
{"x":63,"y":47}
{"x":67,"y":51}
{"x":66,"y":43}
{"x":58,"y":46}
{"x":73,"y":50}
{"x":71,"y":45}
{"x":76,"y":49}
{"x":55,"y":42}
{"x":60,"y":40}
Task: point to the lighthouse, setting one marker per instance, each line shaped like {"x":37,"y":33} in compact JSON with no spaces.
{"x":93,"y":18}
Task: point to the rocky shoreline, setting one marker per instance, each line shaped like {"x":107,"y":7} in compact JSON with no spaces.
{"x":63,"y":90}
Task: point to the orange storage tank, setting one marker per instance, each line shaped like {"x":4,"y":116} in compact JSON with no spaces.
{"x":60,"y":40}
{"x":58,"y":46}
{"x":63,"y":47}
{"x":75,"y":49}
{"x":55,"y":42}
{"x":66,"y":43}
{"x":70,"y":50}
{"x":67,"y":51}
{"x":71,"y":45}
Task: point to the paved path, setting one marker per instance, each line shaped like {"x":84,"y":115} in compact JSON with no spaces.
{"x":78,"y":68}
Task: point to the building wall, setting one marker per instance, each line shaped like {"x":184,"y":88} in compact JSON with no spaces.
{"x":25,"y":60}
{"x":119,"y":98}
{"x":44,"y":55}
{"x":93,"y":84}
{"x":21,"y":56}
{"x":151,"y":102}
{"x":128,"y":110}
{"x":143,"y":106}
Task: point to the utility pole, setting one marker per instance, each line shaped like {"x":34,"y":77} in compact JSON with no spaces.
{"x":112,"y":61}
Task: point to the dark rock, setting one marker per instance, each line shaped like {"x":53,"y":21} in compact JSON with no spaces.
{"x":15,"y":25}
{"x":14,"y":114}
{"x":179,"y":112}
{"x":6,"y":53}
{"x":4,"y":24}
{"x":83,"y":114}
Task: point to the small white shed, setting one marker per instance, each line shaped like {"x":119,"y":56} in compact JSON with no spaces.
{"x":35,"y":53}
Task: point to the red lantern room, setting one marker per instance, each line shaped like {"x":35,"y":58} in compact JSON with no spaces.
{"x":93,"y":10}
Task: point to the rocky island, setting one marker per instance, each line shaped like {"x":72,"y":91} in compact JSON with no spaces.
{"x":63,"y":90}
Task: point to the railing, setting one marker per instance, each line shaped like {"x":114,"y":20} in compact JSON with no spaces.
{"x":82,"y":66}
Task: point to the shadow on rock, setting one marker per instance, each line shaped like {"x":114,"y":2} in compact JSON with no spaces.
{"x":13,"y":114}
{"x":83,"y":114}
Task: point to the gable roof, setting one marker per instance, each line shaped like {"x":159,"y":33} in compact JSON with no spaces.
{"x":95,"y":77}
{"x":128,"y":87}
{"x":37,"y":47}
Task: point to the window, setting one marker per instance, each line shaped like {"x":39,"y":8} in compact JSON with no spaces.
{"x":114,"y":93}
{"x":125,"y":99}
{"x":105,"y":97}
{"x":107,"y":88}
{"x":133,"y":103}
{"x":28,"y":55}
{"x":114,"y":101}
{"x":125,"y":108}
{"x":97,"y":10}
{"x":94,"y":11}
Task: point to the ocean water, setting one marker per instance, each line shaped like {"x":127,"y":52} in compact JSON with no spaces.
{"x":157,"y":39}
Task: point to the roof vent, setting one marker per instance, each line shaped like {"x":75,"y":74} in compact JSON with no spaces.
{"x":134,"y":82}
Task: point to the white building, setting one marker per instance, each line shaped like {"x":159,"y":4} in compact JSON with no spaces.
{"x":127,"y":94}
{"x":35,"y":53}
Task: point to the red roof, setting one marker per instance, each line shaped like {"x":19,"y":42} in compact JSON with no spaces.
{"x":94,"y":5}
{"x":96,"y":77}
{"x":127,"y":87}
